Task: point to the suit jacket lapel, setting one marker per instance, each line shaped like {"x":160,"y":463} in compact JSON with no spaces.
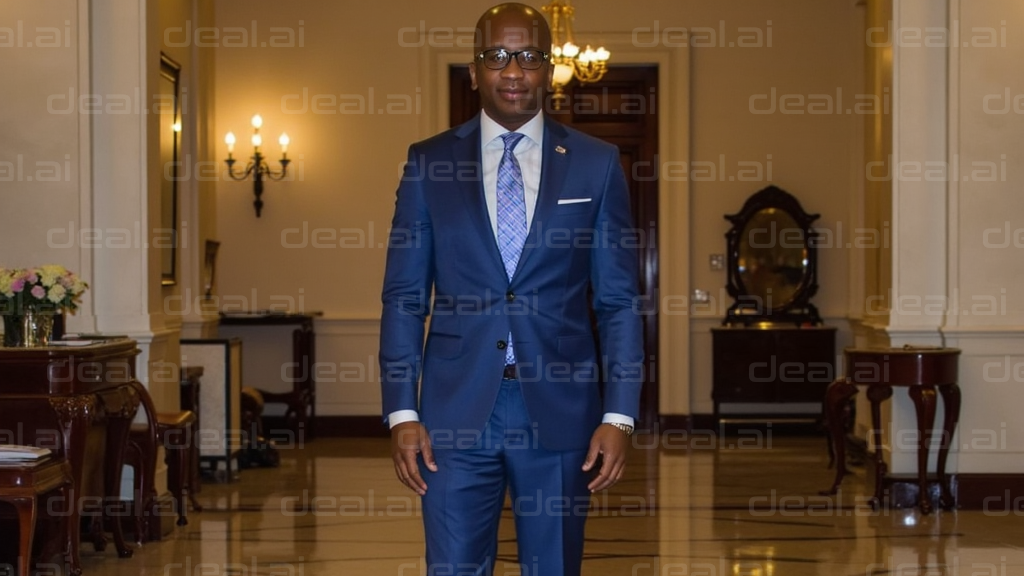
{"x":554,"y":168}
{"x":471,"y":190}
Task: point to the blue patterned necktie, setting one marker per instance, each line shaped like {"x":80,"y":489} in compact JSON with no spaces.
{"x":511,"y":215}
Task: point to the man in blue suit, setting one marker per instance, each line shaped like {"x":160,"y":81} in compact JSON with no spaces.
{"x":503,"y":226}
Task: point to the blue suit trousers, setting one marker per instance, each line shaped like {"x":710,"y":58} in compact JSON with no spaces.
{"x":465,"y":497}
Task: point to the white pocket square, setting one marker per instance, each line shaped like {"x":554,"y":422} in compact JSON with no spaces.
{"x":573,"y":200}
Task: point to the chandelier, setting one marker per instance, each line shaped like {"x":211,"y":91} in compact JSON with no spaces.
{"x":586,"y":65}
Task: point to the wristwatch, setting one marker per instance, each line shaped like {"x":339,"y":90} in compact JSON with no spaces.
{"x":626,"y":428}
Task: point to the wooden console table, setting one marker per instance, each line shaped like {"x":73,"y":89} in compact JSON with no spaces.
{"x":301,"y":399}
{"x":921,"y":371}
{"x":86,"y":389}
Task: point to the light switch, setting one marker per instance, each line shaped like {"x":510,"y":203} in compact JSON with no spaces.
{"x":717,"y":262}
{"x":701,"y":296}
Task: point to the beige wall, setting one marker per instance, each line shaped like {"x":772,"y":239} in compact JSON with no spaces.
{"x":346,"y":165}
{"x":41,"y":154}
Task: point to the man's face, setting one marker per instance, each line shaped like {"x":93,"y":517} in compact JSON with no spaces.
{"x":511,"y":96}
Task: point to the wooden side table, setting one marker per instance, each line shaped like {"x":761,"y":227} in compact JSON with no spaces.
{"x":22,"y":485}
{"x":923,"y":371}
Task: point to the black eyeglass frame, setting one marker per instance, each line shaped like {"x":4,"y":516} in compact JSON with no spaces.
{"x":545,"y":57}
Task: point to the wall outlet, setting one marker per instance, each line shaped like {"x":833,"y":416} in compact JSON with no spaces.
{"x":717,"y":262}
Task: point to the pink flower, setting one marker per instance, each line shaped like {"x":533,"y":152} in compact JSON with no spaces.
{"x":18,"y":285}
{"x":39,"y":292}
{"x":32,"y":277}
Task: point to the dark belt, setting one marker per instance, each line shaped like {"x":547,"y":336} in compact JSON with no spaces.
{"x":509,"y":373}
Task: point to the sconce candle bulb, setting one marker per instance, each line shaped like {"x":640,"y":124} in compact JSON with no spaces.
{"x":257,"y":167}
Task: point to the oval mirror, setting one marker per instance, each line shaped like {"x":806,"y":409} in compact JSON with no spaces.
{"x":772,"y":261}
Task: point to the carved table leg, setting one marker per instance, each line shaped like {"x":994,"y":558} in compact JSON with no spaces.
{"x":26,"y":508}
{"x":119,"y":423}
{"x":951,"y":408}
{"x":74,"y":414}
{"x":836,"y":397}
{"x":877,"y":393}
{"x":924,"y":403}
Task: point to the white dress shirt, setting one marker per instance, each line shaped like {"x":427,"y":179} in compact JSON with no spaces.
{"x":528,"y":154}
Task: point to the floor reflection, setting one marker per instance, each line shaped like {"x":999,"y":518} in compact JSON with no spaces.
{"x":698,"y":505}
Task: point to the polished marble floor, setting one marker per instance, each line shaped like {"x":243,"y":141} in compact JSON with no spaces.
{"x":744,"y":505}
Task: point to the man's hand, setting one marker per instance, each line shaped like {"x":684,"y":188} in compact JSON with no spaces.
{"x":611,"y":443}
{"x":409,"y":439}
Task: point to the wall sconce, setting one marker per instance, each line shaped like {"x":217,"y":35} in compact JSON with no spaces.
{"x":257,"y":166}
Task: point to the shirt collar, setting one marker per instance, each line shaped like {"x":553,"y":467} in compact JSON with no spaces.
{"x":489,"y":129}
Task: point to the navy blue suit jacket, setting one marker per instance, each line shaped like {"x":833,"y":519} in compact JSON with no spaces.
{"x":443,"y":259}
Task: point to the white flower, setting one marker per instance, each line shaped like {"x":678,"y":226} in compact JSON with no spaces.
{"x":56,"y":294}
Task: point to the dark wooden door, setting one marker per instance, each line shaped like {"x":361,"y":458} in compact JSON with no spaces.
{"x":620,"y":109}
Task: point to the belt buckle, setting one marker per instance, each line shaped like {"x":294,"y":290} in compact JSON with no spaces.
{"x":509,"y":373}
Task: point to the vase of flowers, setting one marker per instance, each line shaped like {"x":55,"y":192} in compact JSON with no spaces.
{"x":31,"y":297}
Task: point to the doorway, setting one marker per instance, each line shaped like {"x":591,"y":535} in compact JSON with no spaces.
{"x":621,"y":109}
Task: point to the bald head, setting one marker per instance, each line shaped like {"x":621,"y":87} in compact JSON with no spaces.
{"x":525,"y":22}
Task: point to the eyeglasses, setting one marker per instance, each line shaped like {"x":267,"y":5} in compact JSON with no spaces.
{"x":499,"y":58}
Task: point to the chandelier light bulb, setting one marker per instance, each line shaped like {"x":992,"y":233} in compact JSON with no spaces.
{"x":284,"y":141}
{"x":570,"y":50}
{"x":563,"y":74}
{"x":603,"y":55}
{"x":257,"y":140}
{"x":257,"y":121}
{"x":229,"y":139}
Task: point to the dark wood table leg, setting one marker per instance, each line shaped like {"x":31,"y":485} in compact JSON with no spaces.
{"x":74,"y":414}
{"x":26,"y":508}
{"x":924,"y":403}
{"x":951,"y":416}
{"x":836,"y":397}
{"x":119,"y":421}
{"x":878,"y":393}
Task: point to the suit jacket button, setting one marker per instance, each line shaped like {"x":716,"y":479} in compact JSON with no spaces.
{"x":502,"y":345}
{"x":510,"y":296}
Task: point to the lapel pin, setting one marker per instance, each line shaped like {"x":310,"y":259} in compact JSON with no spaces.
{"x":559,"y":149}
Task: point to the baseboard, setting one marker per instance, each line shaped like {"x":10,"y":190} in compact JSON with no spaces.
{"x":351,"y":427}
{"x":996,"y":494}
{"x":373,"y":427}
{"x":674,"y":422}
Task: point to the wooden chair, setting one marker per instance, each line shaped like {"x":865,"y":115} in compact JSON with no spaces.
{"x":175,"y":432}
{"x":189,"y":396}
{"x":22,"y":485}
{"x":301,"y":399}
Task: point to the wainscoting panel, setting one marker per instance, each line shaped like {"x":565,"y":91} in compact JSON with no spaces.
{"x":347,"y":373}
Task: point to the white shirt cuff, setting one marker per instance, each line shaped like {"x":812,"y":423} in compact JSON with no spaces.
{"x":614,"y":418}
{"x":401,"y":416}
